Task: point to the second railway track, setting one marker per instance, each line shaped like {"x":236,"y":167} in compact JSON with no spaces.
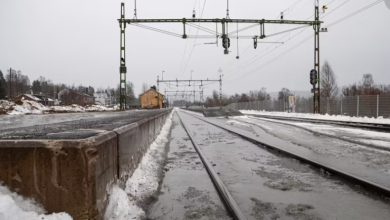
{"x":363,"y":125}
{"x":351,"y":140}
{"x":233,"y":161}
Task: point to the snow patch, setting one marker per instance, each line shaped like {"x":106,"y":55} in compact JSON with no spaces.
{"x":121,"y":207}
{"x":232,"y":122}
{"x":144,"y":181}
{"x":15,"y":207}
{"x":32,"y":107}
{"x":27,"y":107}
{"x":379,"y":120}
{"x":142,"y":184}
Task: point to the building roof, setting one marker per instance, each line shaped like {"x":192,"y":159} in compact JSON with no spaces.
{"x":32,"y":97}
{"x":151,"y":89}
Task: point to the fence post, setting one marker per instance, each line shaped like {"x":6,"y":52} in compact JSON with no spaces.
{"x":377,"y":106}
{"x":357,"y":107}
{"x":341,"y":105}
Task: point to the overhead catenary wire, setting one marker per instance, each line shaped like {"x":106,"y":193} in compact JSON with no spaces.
{"x":362,"y":9}
{"x":354,"y":13}
{"x":289,"y":8}
{"x":271,"y":35}
{"x":258,"y":57}
{"x":157,"y":30}
{"x":335,"y":9}
{"x":192,"y":48}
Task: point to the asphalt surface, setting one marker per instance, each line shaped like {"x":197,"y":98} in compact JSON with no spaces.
{"x":67,"y":125}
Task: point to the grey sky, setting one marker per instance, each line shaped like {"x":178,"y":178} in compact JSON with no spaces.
{"x":77,"y":42}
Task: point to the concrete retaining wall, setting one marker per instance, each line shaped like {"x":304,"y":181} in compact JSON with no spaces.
{"x":74,"y":176}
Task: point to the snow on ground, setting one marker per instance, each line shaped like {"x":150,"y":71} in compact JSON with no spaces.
{"x":142,"y":184}
{"x":379,"y":120}
{"x":26,"y":107}
{"x":232,"y":122}
{"x":380,"y":139}
{"x":121,"y":206}
{"x":32,"y":107}
{"x":15,"y":207}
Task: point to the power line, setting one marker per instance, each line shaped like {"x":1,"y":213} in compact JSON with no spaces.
{"x":256,"y":57}
{"x":355,"y":13}
{"x":157,"y":30}
{"x":307,"y":38}
{"x":193,"y":46}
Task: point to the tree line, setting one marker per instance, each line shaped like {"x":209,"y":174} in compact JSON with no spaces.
{"x":15,"y":83}
{"x":329,"y":90}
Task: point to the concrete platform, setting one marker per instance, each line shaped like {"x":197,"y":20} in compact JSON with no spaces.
{"x":69,"y":165}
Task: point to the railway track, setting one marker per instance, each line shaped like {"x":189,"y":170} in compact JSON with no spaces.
{"x":315,"y":132}
{"x":227,"y":199}
{"x":232,"y":204}
{"x":363,"y":125}
{"x":344,"y":174}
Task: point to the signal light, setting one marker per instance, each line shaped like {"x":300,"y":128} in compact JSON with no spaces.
{"x":226,"y":42}
{"x":313,"y":77}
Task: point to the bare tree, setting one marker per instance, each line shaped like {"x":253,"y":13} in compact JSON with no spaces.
{"x":145,"y":87}
{"x":329,"y":86}
{"x":367,"y":85}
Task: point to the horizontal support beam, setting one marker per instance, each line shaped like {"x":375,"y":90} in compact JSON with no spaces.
{"x":196,"y":91}
{"x":189,"y":80}
{"x":218,"y":20}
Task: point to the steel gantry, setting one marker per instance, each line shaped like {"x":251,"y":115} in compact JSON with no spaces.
{"x":224,"y":22}
{"x":122,"y":68}
{"x":194,"y":83}
{"x":317,"y":85}
{"x":186,"y":92}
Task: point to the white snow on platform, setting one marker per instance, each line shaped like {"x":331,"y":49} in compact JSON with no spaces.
{"x":143,"y":183}
{"x":15,"y":207}
{"x":121,"y":206}
{"x":32,"y":107}
{"x":379,"y":120}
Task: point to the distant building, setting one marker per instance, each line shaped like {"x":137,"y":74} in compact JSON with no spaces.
{"x":69,"y":97}
{"x":45,"y":100}
{"x":104,"y":98}
{"x":152,"y":99}
{"x":27,"y":97}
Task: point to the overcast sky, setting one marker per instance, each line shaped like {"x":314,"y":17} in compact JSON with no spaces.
{"x":77,"y":42}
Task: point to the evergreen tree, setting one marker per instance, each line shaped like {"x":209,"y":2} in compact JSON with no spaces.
{"x":3,"y":86}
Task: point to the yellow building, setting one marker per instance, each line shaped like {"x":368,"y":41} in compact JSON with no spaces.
{"x":151,"y":99}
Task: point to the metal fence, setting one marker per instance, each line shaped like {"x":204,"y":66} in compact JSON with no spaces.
{"x":370,"y":106}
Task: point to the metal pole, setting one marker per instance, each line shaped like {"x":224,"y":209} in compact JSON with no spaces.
{"x":122,"y":69}
{"x":377,"y":106}
{"x":158,"y":83}
{"x":357,"y":106}
{"x":317,"y":26}
{"x":220,"y":90}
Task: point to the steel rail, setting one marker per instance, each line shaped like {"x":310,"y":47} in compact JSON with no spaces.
{"x":226,"y":197}
{"x":365,"y":125}
{"x":369,"y":185}
{"x":315,"y":132}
